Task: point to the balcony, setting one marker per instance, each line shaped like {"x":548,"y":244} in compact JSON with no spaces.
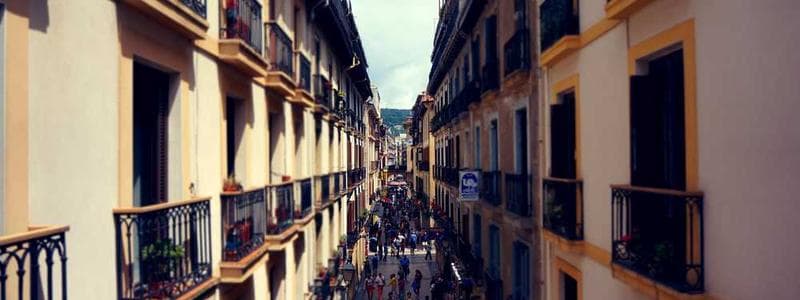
{"x":337,"y":184}
{"x":490,"y":76}
{"x":563,"y":207}
{"x":187,"y":17}
{"x":518,"y":194}
{"x":621,"y":9}
{"x":322,"y":92}
{"x":324,"y":190}
{"x":560,"y":32}
{"x":240,"y":37}
{"x":303,"y":90}
{"x":517,"y":52}
{"x":658,"y":233}
{"x":281,"y":208}
{"x":244,"y":225}
{"x":164,"y":250}
{"x":491,"y":187}
{"x":305,"y":208}
{"x":423,"y":166}
{"x":28,"y":257}
{"x":280,"y":72}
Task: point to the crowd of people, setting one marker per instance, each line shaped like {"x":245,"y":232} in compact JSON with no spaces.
{"x":395,"y":234}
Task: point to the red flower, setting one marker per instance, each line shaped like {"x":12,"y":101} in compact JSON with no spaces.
{"x":626,"y":238}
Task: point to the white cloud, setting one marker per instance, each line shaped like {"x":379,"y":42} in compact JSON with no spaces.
{"x":398,"y":38}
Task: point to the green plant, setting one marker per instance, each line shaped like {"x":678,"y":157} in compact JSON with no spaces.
{"x":160,"y":257}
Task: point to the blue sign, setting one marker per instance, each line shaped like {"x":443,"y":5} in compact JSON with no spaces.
{"x":469,"y":185}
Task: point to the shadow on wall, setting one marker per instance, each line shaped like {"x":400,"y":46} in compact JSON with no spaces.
{"x":39,"y":16}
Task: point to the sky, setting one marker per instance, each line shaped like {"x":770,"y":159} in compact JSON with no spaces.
{"x":398,"y":38}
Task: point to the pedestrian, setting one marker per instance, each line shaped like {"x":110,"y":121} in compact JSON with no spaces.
{"x":375,"y":262}
{"x":392,"y":284}
{"x":417,"y":282}
{"x":380,"y":283}
{"x":401,"y":285}
{"x":370,"y":287}
{"x":428,"y":251}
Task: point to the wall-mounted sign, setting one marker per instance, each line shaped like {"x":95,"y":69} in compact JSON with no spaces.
{"x":469,"y":185}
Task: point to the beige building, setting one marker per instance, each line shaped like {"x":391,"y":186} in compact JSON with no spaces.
{"x":484,"y":119}
{"x":193,"y":148}
{"x":668,"y":149}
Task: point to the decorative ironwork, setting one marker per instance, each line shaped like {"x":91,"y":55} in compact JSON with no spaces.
{"x":306,"y":201}
{"x":518,"y":194}
{"x":279,"y":50}
{"x":323,"y":91}
{"x":557,"y":18}
{"x":281,"y":209}
{"x":305,"y":73}
{"x":197,"y":6}
{"x":563,"y":207}
{"x":658,"y":233}
{"x":244,"y":223}
{"x":26,"y":257}
{"x":517,"y":52}
{"x":242,"y":20}
{"x":163,"y":253}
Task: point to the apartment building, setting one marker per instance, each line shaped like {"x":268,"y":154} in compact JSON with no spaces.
{"x":421,"y":148}
{"x":181,"y":149}
{"x":668,"y":149}
{"x":376,"y":132}
{"x":484,"y":119}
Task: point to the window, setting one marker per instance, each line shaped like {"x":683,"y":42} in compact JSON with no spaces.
{"x":493,"y":147}
{"x":494,"y":251}
{"x":490,"y":40}
{"x":657,"y":124}
{"x":478,"y":147}
{"x":151,"y":96}
{"x":569,"y":286}
{"x":521,"y":270}
{"x":562,"y":137}
{"x":520,"y":18}
{"x":521,"y":141}
{"x":476,"y":58}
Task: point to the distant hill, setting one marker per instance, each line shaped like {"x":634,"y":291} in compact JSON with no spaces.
{"x":394,"y":118}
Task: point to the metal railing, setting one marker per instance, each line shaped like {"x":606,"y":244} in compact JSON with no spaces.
{"x":279,"y":50}
{"x":242,"y":20}
{"x":517,"y":51}
{"x":27,"y":258}
{"x":325,"y":188}
{"x":163,"y":250}
{"x":281,"y":205}
{"x":557,"y":19}
{"x":518,"y":194}
{"x":244,"y":223}
{"x":563,"y":207}
{"x":490,"y":75}
{"x":322,"y":91}
{"x":304,"y":81}
{"x":306,"y":205}
{"x":491,"y":187}
{"x":658,"y":233}
{"x":197,"y":6}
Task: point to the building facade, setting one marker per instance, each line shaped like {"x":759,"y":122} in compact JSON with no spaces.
{"x":483,"y":118}
{"x":653,"y":186}
{"x":182,"y":149}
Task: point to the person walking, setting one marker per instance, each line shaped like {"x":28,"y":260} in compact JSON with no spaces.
{"x":401,"y":285}
{"x":417,"y":282}
{"x":428,"y":251}
{"x":370,"y":286}
{"x":380,"y":282}
{"x":375,"y":262}
{"x":392,"y":284}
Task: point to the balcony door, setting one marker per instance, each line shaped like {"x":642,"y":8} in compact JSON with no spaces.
{"x":150,"y":134}
{"x":562,"y":137}
{"x":521,"y":141}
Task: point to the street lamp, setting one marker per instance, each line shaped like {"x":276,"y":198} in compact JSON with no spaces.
{"x":348,"y":271}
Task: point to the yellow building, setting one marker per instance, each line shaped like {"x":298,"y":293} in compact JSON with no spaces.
{"x":667,"y":146}
{"x":484,"y":119}
{"x":192,"y":148}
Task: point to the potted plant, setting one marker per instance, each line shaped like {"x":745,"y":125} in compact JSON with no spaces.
{"x":159,"y":258}
{"x":663,"y":255}
{"x":231,"y":185}
{"x":286,"y":178}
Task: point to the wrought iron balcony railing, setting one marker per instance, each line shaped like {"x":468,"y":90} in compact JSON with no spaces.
{"x":306,"y":205}
{"x":244,"y":223}
{"x":197,"y":6}
{"x":279,"y":50}
{"x":163,"y":250}
{"x":305,"y":73}
{"x":490,"y":76}
{"x":281,"y":208}
{"x":325,"y":188}
{"x":337,"y":184}
{"x":29,"y":257}
{"x":518,"y":194}
{"x":563,"y":207}
{"x":322,"y":91}
{"x":242,"y":20}
{"x":658,"y":233}
{"x":557,"y":19}
{"x":517,"y":51}
{"x":491,"y":187}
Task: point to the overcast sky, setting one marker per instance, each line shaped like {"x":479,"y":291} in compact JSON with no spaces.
{"x":397,"y":37}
